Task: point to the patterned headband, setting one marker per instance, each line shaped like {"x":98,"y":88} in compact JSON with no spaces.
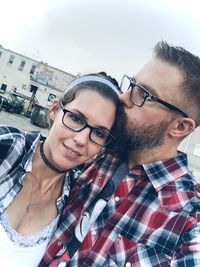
{"x":92,"y":78}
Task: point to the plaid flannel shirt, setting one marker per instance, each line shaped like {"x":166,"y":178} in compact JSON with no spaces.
{"x":16,"y":153}
{"x":152,"y":219}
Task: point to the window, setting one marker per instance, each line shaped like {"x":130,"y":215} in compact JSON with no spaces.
{"x":51,"y":97}
{"x":33,"y":69}
{"x":22,"y":64}
{"x":43,"y":78}
{"x":3,"y":87}
{"x":33,"y":89}
{"x":11,"y":59}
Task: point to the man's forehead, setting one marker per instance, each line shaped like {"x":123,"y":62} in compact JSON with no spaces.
{"x":157,"y":74}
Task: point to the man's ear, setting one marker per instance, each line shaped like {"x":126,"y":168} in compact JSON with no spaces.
{"x":54,"y":109}
{"x":182,"y":127}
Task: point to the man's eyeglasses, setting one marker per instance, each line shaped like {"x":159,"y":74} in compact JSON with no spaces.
{"x":139,"y":95}
{"x":77,"y":123}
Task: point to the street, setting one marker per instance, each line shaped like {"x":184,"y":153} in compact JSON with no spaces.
{"x":20,"y":122}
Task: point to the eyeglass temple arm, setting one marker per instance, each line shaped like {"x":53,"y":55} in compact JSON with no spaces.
{"x":168,"y":105}
{"x":61,"y":104}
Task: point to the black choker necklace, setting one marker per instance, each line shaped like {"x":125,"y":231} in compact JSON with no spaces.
{"x":47,"y":162}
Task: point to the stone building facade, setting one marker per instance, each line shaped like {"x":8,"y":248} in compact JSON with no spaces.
{"x":35,"y":81}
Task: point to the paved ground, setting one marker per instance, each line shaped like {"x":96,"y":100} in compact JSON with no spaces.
{"x":20,"y":122}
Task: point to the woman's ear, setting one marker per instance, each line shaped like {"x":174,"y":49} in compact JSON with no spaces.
{"x":182,"y":127}
{"x":54,"y":109}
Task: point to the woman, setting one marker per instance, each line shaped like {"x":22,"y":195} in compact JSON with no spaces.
{"x":35,"y":175}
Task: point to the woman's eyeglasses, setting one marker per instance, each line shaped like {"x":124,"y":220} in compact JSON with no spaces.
{"x":77,"y":123}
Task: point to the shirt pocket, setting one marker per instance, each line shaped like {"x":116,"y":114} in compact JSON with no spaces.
{"x":126,"y":253}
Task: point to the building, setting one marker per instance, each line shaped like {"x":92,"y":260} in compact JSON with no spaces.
{"x":37,"y":82}
{"x":191,"y":146}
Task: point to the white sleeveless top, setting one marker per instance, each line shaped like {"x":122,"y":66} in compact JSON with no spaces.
{"x":17,"y":250}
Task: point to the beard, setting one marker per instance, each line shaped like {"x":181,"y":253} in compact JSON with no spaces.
{"x":135,"y":137}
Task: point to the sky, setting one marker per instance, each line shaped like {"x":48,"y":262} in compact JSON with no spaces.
{"x":82,"y":36}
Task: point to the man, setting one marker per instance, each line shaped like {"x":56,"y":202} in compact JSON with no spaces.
{"x":153,"y":216}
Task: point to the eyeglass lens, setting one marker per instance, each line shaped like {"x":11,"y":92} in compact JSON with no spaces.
{"x":76,"y":123}
{"x":139,"y":95}
{"x":125,"y":84}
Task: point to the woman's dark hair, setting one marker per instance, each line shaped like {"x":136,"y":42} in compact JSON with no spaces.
{"x":105,"y":91}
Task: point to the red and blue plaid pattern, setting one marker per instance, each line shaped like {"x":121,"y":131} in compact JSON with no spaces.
{"x":153,"y":218}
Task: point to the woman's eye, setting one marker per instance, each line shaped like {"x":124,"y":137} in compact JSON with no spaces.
{"x":100,"y":133}
{"x":75,"y":118}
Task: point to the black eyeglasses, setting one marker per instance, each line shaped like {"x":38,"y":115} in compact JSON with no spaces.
{"x":76,"y":123}
{"x":139,"y":95}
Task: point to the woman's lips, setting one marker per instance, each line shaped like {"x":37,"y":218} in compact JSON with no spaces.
{"x":71,"y":152}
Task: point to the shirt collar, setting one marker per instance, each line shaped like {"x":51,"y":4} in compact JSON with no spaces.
{"x":66,"y":185}
{"x":161,"y":173}
{"x":32,"y":139}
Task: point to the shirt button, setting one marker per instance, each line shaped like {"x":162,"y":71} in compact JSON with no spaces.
{"x":59,"y":243}
{"x":94,"y":232}
{"x":61,"y":251}
{"x":62,"y":264}
{"x":116,"y":198}
{"x":128,"y":264}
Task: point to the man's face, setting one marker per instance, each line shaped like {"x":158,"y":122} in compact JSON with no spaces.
{"x":147,"y":126}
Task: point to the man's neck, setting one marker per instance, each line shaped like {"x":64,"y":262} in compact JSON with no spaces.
{"x":144,"y":156}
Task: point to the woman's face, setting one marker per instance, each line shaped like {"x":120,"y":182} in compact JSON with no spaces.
{"x":66,"y":148}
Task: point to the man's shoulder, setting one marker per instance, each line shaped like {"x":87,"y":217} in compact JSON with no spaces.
{"x":103,"y":165}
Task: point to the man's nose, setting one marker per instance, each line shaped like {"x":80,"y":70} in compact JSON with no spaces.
{"x":82,"y":137}
{"x":125,"y":98}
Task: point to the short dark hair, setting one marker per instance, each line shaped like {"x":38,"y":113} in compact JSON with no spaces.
{"x":189,"y":65}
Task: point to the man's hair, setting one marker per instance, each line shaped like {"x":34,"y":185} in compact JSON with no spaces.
{"x":189,"y":65}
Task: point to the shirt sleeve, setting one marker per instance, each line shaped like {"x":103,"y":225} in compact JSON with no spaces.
{"x":188,"y":253}
{"x":11,"y":144}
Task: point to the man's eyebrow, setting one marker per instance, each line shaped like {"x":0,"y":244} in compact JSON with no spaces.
{"x":147,"y":87}
{"x":85,"y":118}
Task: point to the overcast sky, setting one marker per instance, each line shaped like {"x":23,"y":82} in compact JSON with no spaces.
{"x":81,"y":36}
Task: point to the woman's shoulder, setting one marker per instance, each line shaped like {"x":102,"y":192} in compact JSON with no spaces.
{"x":14,"y":142}
{"x":8,"y":130}
{"x":9,"y":134}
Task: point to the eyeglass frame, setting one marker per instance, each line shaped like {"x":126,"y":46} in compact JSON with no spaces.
{"x":87,"y":125}
{"x":150,"y":96}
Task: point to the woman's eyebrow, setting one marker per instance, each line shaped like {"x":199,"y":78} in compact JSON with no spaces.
{"x":102,"y":128}
{"x":85,"y":118}
{"x":79,"y":113}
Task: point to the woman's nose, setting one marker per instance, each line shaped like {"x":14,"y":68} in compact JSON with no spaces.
{"x":125,"y":98}
{"x":82,"y":137}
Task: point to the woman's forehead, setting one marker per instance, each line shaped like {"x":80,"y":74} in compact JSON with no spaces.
{"x":95,"y":107}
